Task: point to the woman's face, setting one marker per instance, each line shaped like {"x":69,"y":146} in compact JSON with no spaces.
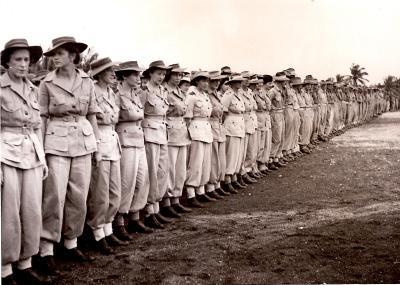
{"x":224,"y":87}
{"x":133,"y":80}
{"x":236,"y":84}
{"x":107,"y":76}
{"x":175,"y":78}
{"x":157,"y":76}
{"x":202,"y":84}
{"x":62,"y":57}
{"x":213,"y":84}
{"x":18,"y":64}
{"x":185,"y":86}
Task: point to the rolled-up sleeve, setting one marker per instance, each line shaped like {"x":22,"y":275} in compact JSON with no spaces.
{"x":93,"y":107}
{"x":44,"y":100}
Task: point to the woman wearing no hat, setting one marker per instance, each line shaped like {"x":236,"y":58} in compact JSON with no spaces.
{"x":68,"y":109}
{"x":23,"y":164}
{"x":178,"y":143}
{"x":105,"y":186}
{"x":199,"y":162}
{"x":134,"y":170}
{"x":155,"y":102}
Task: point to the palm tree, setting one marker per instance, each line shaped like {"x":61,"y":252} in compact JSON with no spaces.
{"x":339,"y":78}
{"x":357,"y":74}
{"x":87,"y":59}
{"x":389,"y":82}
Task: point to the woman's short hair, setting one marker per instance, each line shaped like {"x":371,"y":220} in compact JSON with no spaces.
{"x":72,"y":49}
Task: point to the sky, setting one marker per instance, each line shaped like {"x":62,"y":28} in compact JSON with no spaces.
{"x":318,"y":37}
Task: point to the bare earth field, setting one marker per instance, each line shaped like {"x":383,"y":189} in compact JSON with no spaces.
{"x":332,"y":216}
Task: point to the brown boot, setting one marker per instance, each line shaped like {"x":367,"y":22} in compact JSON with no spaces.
{"x":194,"y":203}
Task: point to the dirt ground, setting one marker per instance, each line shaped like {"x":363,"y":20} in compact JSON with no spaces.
{"x":332,"y":216}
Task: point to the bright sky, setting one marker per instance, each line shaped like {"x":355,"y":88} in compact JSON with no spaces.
{"x":319,"y":37}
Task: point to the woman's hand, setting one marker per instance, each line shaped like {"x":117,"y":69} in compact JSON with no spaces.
{"x":45,"y":172}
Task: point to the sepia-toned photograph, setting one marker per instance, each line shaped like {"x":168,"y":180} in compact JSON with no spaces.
{"x":200,"y":142}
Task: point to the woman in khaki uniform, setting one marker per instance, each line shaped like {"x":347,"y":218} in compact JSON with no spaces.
{"x":68,"y":109}
{"x":235,"y":133}
{"x":155,"y":102}
{"x":275,"y":94}
{"x":105,"y":186}
{"x":199,"y":162}
{"x":178,"y":143}
{"x":247,"y":174}
{"x":23,"y":165}
{"x":218,"y":158}
{"x":261,"y":113}
{"x":134,"y":170}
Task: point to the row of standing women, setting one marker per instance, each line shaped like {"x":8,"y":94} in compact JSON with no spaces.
{"x":118,"y":157}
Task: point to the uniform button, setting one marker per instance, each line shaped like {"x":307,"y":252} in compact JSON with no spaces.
{"x":25,"y":103}
{"x":24,"y":125}
{"x":26,"y":113}
{"x":75,"y":127}
{"x":54,"y":105}
{"x":73,"y":106}
{"x":26,"y":137}
{"x":52,"y":133}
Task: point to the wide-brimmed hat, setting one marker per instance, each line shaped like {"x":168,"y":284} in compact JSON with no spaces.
{"x":185,"y":79}
{"x":235,"y":78}
{"x":15,"y":44}
{"x":246,"y":74}
{"x":176,"y":68}
{"x":65,"y":42}
{"x":280,"y":76}
{"x":129,"y":65}
{"x":296,"y":81}
{"x":199,"y":74}
{"x":255,"y":81}
{"x":216,"y":75}
{"x":227,"y":71}
{"x":310,"y":80}
{"x":100,"y":65}
{"x":267,"y":78}
{"x":290,"y":72}
{"x":158,"y":64}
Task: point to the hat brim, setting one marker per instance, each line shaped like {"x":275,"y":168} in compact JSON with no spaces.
{"x":219,"y":77}
{"x":138,"y":69}
{"x":233,"y":81}
{"x":294,"y":84}
{"x":79,"y":46}
{"x":194,"y":79}
{"x":162,"y":67}
{"x":177,"y":70}
{"x":98,"y":70}
{"x":35,"y":53}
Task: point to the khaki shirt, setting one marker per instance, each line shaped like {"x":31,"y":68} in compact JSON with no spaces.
{"x":155,"y":102}
{"x":108,"y":147}
{"x":300,"y":99}
{"x":178,"y":134}
{"x":260,"y":96}
{"x":68,"y":132}
{"x":199,"y":110}
{"x":307,"y":98}
{"x":216,"y":120}
{"x":290,"y":94}
{"x":250,"y":105}
{"x":20,"y":125}
{"x":131,"y":114}
{"x":275,"y":95}
{"x":234,"y":108}
{"x":322,"y":96}
{"x":296,"y":104}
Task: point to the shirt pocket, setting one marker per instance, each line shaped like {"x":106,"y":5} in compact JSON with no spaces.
{"x":10,"y":105}
{"x":88,"y":136}
{"x":11,"y":147}
{"x":56,"y":138}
